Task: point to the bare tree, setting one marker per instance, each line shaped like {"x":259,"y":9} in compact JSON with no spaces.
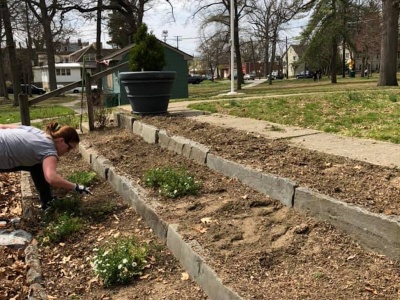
{"x":213,"y":49}
{"x":268,"y":18}
{"x":389,"y":43}
{"x":51,"y":16}
{"x":10,"y":45}
{"x":368,"y":34}
{"x":261,"y":18}
{"x":219,"y":12}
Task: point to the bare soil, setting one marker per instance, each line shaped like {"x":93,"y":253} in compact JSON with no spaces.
{"x":258,"y":247}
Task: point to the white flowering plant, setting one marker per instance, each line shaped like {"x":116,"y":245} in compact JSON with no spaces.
{"x":119,"y":262}
{"x":172,"y":182}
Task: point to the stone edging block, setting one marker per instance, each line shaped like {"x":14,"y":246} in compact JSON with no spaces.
{"x":197,"y":268}
{"x":281,"y":189}
{"x":375,"y":231}
{"x":123,"y":120}
{"x":149,"y":133}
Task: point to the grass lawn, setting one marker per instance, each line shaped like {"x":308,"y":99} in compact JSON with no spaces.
{"x":353,"y":107}
{"x":48,"y":110}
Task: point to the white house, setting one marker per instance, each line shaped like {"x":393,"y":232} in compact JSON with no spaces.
{"x":65,"y":73}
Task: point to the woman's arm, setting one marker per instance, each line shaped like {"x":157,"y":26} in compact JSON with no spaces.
{"x":52,"y":177}
{"x":8,"y":126}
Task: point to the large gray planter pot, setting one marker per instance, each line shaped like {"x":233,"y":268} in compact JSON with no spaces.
{"x":148,"y":91}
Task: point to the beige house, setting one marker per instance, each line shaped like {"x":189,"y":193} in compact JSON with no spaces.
{"x":291,"y":60}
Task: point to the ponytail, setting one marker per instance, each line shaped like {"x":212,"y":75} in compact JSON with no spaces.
{"x":68,"y":133}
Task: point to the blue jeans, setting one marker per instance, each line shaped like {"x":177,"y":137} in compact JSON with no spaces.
{"x":42,"y":186}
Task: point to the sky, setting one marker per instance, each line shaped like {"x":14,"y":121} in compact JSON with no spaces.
{"x":183,"y":32}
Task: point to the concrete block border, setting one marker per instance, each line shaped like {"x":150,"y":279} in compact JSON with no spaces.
{"x":34,"y":275}
{"x":378,"y":232}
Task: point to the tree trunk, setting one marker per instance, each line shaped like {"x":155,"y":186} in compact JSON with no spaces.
{"x":10,"y":45}
{"x":3,"y":87}
{"x":98,"y":44}
{"x":237,"y":49}
{"x":51,"y":62}
{"x":334,"y":60}
{"x":389,"y":43}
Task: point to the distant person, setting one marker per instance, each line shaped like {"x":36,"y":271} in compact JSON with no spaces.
{"x":319,"y":74}
{"x":30,"y":149}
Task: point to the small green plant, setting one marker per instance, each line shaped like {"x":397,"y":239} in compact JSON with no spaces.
{"x":172,"y":182}
{"x":393,"y":97}
{"x":120,"y":262}
{"x":62,"y":228}
{"x":84,"y":178}
{"x":70,"y":205}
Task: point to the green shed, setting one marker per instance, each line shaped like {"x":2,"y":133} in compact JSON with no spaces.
{"x":176,"y":61}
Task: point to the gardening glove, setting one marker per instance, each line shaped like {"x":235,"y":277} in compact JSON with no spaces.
{"x":82,"y":189}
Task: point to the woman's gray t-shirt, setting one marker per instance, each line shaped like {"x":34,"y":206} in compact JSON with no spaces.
{"x":24,"y":146}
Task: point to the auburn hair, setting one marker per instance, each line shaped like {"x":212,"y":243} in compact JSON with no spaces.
{"x":68,"y":133}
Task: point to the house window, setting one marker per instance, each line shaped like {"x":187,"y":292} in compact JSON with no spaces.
{"x":294,"y":57}
{"x":90,"y":57}
{"x":63,"y":72}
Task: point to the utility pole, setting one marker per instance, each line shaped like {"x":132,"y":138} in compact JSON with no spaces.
{"x":287,"y":60}
{"x":178,"y":38}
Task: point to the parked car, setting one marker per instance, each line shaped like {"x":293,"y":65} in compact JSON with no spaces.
{"x":234,"y":75}
{"x":277,"y":75}
{"x":306,"y":74}
{"x":250,"y":76}
{"x":194,"y":79}
{"x":24,"y":88}
{"x":79,"y":89}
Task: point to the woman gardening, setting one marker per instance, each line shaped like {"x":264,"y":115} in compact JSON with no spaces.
{"x":30,"y":149}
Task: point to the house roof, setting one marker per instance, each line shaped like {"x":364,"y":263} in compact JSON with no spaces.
{"x":119,"y":53}
{"x":299,"y":49}
{"x":78,"y":55}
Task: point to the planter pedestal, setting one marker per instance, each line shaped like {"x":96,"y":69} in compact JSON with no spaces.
{"x":148,"y":91}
